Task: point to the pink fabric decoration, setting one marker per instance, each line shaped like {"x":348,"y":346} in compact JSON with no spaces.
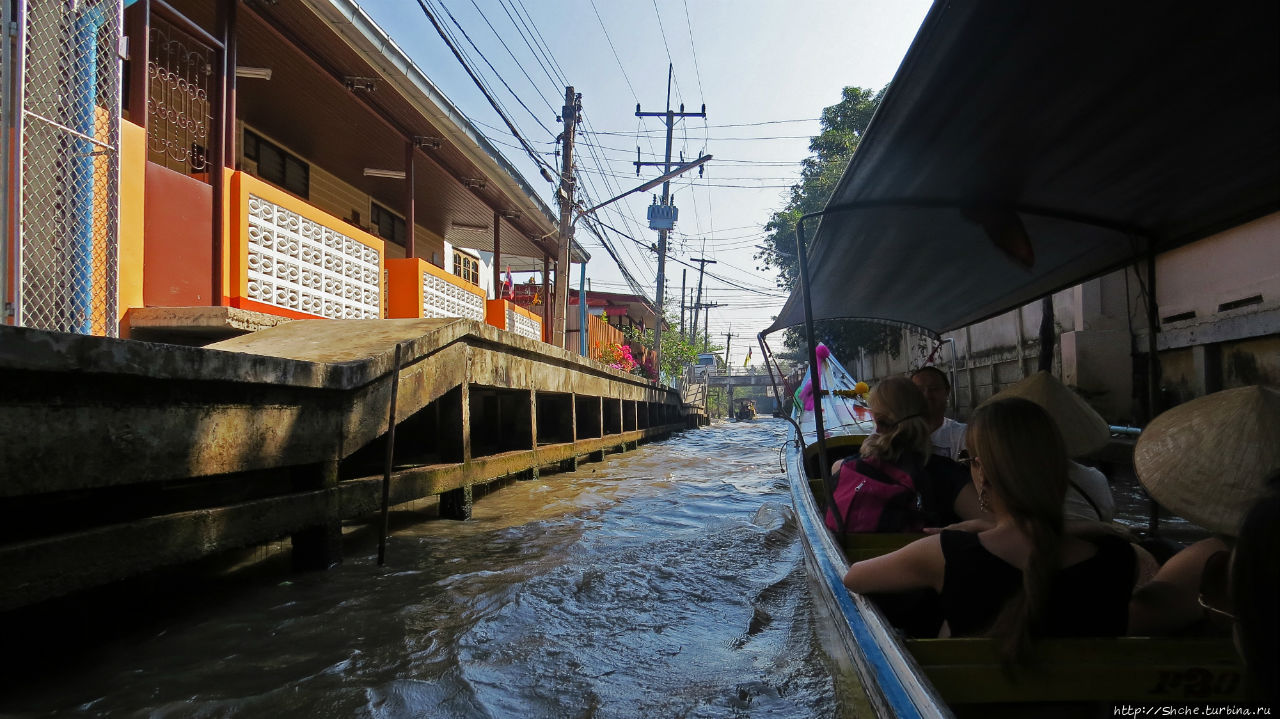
{"x":806,"y":392}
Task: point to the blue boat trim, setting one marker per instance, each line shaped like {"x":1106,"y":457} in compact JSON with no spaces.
{"x":893,"y":688}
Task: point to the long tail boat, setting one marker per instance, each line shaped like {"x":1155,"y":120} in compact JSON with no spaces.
{"x":1021,"y":149}
{"x":932,"y":677}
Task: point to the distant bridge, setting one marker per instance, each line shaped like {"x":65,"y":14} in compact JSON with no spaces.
{"x":737,"y":378}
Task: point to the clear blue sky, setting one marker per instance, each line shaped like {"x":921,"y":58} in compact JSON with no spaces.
{"x":764,"y":69}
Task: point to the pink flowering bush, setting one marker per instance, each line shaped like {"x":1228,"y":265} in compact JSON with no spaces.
{"x":650,"y":368}
{"x":618,"y":357}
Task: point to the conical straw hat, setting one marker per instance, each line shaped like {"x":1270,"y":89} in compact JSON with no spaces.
{"x":1206,"y":460}
{"x":1083,"y":430}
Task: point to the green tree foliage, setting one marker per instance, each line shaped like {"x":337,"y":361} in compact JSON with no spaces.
{"x":842,"y":127}
{"x":677,"y":351}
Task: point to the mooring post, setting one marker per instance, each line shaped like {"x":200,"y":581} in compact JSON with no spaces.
{"x":457,"y":503}
{"x":533,"y":419}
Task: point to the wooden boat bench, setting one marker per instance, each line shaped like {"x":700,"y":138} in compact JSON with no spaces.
{"x":1128,"y":669}
{"x":865,"y":545}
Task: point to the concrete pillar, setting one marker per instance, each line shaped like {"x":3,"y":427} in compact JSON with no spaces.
{"x":466,"y":418}
{"x":569,"y":465}
{"x":320,"y":547}
{"x":573,"y":416}
{"x":533,"y":419}
{"x":1207,"y":369}
{"x":456,"y":503}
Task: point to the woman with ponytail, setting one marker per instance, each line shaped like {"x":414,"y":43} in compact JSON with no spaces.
{"x":1024,"y":577}
{"x":897,"y":485}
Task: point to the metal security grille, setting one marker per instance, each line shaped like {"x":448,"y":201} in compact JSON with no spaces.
{"x":68,"y":210}
{"x":180,"y":77}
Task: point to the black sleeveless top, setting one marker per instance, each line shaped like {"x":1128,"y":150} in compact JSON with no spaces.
{"x":1087,"y":599}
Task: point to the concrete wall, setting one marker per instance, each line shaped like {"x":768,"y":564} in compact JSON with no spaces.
{"x":1218,"y":300}
{"x":148,"y":455}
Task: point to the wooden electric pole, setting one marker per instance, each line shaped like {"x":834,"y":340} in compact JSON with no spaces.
{"x":697,"y":303}
{"x":728,"y":372}
{"x":569,"y":115}
{"x":706,"y":324}
{"x":684,"y":276}
{"x":666,"y":202}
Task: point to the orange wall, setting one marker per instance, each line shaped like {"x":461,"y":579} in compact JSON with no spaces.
{"x":133,"y":161}
{"x":178,"y":251}
{"x":404,"y":287}
{"x":496,"y":313}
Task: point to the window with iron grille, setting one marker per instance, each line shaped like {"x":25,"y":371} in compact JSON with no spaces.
{"x":466,"y":267}
{"x":277,"y":166}
{"x":183,"y":90}
{"x":387,"y":225}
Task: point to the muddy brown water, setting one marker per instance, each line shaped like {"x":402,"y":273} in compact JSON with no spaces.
{"x":665,"y":582}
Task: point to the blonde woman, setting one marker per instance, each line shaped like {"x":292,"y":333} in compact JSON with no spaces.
{"x":1025,"y":577}
{"x":897,"y":485}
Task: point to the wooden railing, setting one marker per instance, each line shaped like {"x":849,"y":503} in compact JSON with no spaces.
{"x":601,"y":334}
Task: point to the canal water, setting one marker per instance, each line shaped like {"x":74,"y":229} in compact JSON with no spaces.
{"x":664,"y":582}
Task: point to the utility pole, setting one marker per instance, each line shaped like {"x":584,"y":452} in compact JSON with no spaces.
{"x":728,"y":372}
{"x":702,"y":266}
{"x":706,"y":323}
{"x":664,"y":219}
{"x":569,"y":115}
{"x":684,"y":276}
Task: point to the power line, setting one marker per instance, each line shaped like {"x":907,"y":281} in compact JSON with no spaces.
{"x":516,"y":22}
{"x":491,"y":67}
{"x":737,"y":124}
{"x":664,"y":38}
{"x":538,"y":39}
{"x":512,"y":55}
{"x":793,"y":178}
{"x":697,"y":70}
{"x":484,"y":91}
{"x":653,"y":133}
{"x":726,"y":281}
{"x":615,"y":52}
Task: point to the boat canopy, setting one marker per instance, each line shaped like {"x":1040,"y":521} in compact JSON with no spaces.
{"x":1025,"y":147}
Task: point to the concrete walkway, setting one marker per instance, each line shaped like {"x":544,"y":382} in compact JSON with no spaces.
{"x":124,"y":456}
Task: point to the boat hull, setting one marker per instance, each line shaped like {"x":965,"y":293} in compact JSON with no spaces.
{"x":894,"y":685}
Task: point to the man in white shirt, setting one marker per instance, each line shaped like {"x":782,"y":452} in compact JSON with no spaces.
{"x":1088,"y":494}
{"x":948,"y":434}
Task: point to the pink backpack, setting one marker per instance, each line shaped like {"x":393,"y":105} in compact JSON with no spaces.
{"x":875,"y":496}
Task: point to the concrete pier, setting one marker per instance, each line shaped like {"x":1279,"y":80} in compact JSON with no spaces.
{"x":121,"y":456}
